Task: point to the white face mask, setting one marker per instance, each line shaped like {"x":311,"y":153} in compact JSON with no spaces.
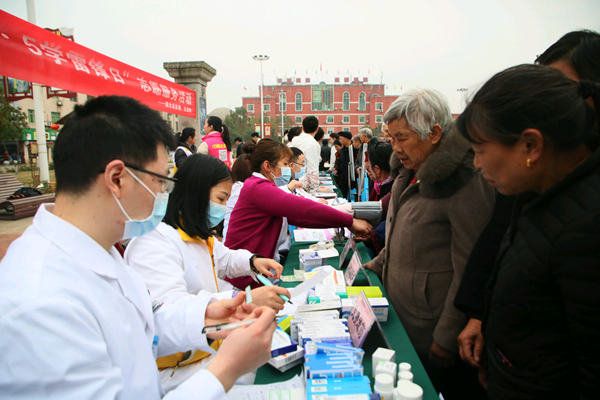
{"x":135,"y":228}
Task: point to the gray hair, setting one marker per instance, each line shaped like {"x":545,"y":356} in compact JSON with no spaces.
{"x":422,"y":109}
{"x":366,"y":131}
{"x":356,"y":137}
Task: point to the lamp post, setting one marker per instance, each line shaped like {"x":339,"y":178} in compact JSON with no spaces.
{"x":261,"y":58}
{"x":281,"y":93}
{"x":463,"y":92}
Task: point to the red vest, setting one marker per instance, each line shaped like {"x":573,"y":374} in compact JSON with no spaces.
{"x":217,"y":148}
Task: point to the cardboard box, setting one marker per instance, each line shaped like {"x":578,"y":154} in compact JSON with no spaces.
{"x":284,"y":360}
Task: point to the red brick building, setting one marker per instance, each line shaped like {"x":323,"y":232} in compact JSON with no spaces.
{"x":341,"y":106}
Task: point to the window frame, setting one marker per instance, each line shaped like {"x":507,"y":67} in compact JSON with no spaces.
{"x":344,"y":99}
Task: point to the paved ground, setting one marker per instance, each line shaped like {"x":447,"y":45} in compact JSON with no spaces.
{"x":10,"y":230}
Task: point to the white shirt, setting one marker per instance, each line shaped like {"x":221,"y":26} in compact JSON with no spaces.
{"x":76,"y":322}
{"x":332,"y":158}
{"x":312,"y":155}
{"x":231,"y":202}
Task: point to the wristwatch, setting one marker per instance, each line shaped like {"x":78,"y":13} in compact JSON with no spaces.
{"x":252,"y":267}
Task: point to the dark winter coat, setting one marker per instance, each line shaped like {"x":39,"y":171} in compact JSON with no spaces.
{"x":542,"y":325}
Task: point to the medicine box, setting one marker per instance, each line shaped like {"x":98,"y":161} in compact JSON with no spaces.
{"x":284,"y":323}
{"x":284,"y":360}
{"x":379,"y":305}
{"x":328,"y":348}
{"x":326,"y":305}
{"x":370,"y":291}
{"x":282,"y":343}
{"x":382,"y":354}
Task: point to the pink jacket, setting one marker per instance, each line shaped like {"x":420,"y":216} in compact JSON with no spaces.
{"x":258,"y":215}
{"x":217,"y":148}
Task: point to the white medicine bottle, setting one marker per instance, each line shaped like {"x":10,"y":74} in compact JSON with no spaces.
{"x":384,"y":386}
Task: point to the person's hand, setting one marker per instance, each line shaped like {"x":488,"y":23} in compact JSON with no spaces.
{"x":441,"y":357}
{"x":268,"y":296}
{"x":293,"y":185}
{"x":361,"y":227}
{"x":228,"y":310}
{"x":322,"y":201}
{"x":245,"y":349}
{"x":470,"y":342}
{"x":335,"y":173}
{"x":368,"y":265}
{"x":264,"y":265}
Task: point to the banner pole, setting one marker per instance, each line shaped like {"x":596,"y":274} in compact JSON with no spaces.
{"x":38,"y":107}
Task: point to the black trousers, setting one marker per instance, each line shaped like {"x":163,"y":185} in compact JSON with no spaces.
{"x":457,"y":382}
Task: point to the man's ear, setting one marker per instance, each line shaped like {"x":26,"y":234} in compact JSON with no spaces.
{"x":436,"y":134}
{"x":113,"y":174}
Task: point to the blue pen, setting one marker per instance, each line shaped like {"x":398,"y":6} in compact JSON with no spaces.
{"x":266,"y":282}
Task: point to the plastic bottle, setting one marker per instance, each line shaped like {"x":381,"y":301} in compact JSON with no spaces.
{"x":321,"y":245}
{"x":404,"y":367}
{"x":408,"y":391}
{"x":405,"y":375}
{"x":384,"y":386}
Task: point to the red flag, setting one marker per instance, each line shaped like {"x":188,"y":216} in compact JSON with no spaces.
{"x":245,"y":88}
{"x":33,"y":54}
{"x":321,"y":67}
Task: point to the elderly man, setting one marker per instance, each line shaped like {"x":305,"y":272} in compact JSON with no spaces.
{"x":439,"y":205}
{"x":386,"y":133}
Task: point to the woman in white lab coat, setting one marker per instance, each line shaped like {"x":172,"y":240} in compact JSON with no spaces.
{"x":180,"y":257}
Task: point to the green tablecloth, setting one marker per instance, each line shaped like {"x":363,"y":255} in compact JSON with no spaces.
{"x":392,"y":328}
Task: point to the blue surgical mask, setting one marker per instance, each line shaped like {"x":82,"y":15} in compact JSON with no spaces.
{"x":216,"y":213}
{"x":286,"y":176}
{"x":300,"y":174}
{"x":135,"y":228}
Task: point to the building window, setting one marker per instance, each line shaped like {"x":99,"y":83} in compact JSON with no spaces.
{"x":55,"y":116}
{"x":362,"y":119}
{"x":379,"y":119}
{"x":329,"y":131}
{"x":73,"y":99}
{"x":322,"y":97}
{"x":330,"y":119}
{"x":298,"y":101}
{"x":298,"y":120}
{"x":31,"y":116}
{"x":362,"y":101}
{"x":346,"y":105}
{"x":267,"y":107}
{"x":346,"y":119}
{"x":379,"y":107}
{"x":282,"y":102}
{"x":346,"y":129}
{"x":251,"y":108}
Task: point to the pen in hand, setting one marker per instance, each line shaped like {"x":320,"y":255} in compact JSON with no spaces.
{"x":266,"y":282}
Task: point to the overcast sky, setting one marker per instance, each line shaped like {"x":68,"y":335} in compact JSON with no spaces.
{"x":432,"y":43}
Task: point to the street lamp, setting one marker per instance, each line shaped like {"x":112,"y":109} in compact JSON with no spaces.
{"x":261,"y":58}
{"x":463,"y":92}
{"x":281,"y":93}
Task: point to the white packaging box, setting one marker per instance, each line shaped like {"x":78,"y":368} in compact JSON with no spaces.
{"x":285,"y":359}
{"x":379,"y":305}
{"x":382,"y":354}
{"x":326,"y":305}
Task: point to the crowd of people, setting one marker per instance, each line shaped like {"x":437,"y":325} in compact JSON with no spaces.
{"x":486,"y":246}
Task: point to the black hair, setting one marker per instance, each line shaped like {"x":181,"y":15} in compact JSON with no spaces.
{"x":241,"y":170}
{"x":186,"y":134}
{"x":104,"y":129}
{"x":248,"y":147}
{"x":325,"y":142}
{"x":225,"y":137}
{"x":297,"y":153}
{"x":379,"y":154}
{"x":531,"y":96}
{"x":319,"y":135}
{"x":295,"y":131}
{"x":189,"y":201}
{"x":310,"y":124}
{"x":268,"y":150}
{"x":581,"y":49}
{"x":334,"y":135}
{"x":255,"y":134}
{"x":238,"y":139}
{"x":337,"y":142}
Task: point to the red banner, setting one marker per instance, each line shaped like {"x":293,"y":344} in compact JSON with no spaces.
{"x":34,"y":54}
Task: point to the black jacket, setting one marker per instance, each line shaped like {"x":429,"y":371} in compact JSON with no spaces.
{"x":542,"y":322}
{"x":470,"y":297}
{"x":325,"y":155}
{"x":180,"y":155}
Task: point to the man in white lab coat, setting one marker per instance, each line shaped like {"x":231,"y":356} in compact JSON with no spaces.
{"x":76,"y":322}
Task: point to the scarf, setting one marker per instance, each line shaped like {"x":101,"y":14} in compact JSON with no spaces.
{"x":379,"y":184}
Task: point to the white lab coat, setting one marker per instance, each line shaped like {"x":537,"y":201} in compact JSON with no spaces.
{"x":236,"y":188}
{"x":76,"y":322}
{"x":312,"y":156}
{"x":178,"y":272}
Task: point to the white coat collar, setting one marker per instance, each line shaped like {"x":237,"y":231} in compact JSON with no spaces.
{"x":259,"y":175}
{"x":89,"y":254}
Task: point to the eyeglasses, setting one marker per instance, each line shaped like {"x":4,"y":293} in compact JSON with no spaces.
{"x":300,"y":165}
{"x":168,"y":184}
